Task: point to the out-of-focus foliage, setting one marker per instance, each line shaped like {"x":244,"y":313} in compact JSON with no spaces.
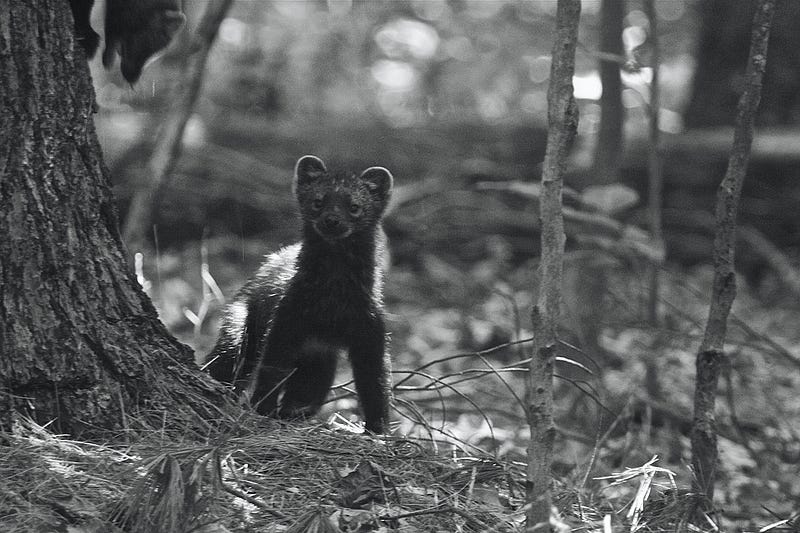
{"x":451,"y":96}
{"x":410,"y":62}
{"x":425,"y":87}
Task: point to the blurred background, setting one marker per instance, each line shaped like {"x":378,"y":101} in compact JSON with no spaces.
{"x":451,"y":96}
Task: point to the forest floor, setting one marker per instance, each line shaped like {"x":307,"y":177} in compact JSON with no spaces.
{"x":455,"y":458}
{"x":458,"y":298}
{"x":262,"y":475}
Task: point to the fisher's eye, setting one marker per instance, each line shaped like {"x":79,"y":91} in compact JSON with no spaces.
{"x":355,"y":209}
{"x":316,"y":205}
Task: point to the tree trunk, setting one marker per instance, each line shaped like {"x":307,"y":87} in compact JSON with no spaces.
{"x":608,"y":152}
{"x":80,"y":342}
{"x":711,"y":353}
{"x":562,"y":118}
{"x":592,"y":314}
{"x":655,"y":194}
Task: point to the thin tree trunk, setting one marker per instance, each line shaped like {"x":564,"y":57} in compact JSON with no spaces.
{"x":654,"y":169}
{"x":711,"y":353}
{"x":608,"y":152}
{"x":562,"y":114}
{"x":593,"y":274}
{"x":655,"y":189}
{"x":80,"y":343}
{"x":144,"y":203}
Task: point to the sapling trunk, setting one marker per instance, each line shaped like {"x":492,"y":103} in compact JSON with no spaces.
{"x":562,"y":114}
{"x":711,"y":354}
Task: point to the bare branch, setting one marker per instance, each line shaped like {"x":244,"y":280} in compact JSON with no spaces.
{"x":608,"y":151}
{"x":562,"y":115}
{"x":711,"y":354}
{"x":654,"y":169}
{"x":170,"y":140}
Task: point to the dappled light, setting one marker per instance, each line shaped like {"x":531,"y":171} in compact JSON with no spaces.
{"x":507,"y":289}
{"x":446,"y":95}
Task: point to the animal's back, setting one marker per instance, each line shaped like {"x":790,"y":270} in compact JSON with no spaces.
{"x":246,"y":321}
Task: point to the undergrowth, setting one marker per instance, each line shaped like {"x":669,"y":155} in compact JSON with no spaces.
{"x":270,"y":476}
{"x":455,"y":458}
{"x":460,"y":359}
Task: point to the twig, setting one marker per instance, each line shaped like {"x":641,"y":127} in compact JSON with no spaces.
{"x":420,"y":419}
{"x":504,"y":382}
{"x":776,"y":348}
{"x":608,"y":150}
{"x":468,"y":374}
{"x":711,"y":353}
{"x":758,"y":243}
{"x":591,"y":392}
{"x":599,"y":442}
{"x":755,"y":241}
{"x":488,"y":351}
{"x":439,"y":394}
{"x":620,"y":59}
{"x":580,"y":224}
{"x":169,"y":144}
{"x":654,"y":168}
{"x":250,"y":499}
{"x":729,"y":396}
{"x":474,"y":522}
{"x":562,"y":114}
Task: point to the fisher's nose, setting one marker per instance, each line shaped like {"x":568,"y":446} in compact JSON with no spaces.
{"x":332,"y":222}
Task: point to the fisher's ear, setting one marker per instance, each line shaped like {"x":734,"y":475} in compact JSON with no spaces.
{"x":379,"y":182}
{"x":308,"y":169}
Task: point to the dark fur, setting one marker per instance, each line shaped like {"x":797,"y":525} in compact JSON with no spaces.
{"x":312,"y":300}
{"x":86,"y":36}
{"x":136,"y":29}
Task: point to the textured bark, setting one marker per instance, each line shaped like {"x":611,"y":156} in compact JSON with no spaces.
{"x":711,"y":353}
{"x":562,"y":115}
{"x":80,"y":343}
{"x":144,"y":204}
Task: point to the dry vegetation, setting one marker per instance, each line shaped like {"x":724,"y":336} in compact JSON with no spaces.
{"x":458,"y":297}
{"x":455,"y":460}
{"x":463,"y":229}
{"x":267,"y":476}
